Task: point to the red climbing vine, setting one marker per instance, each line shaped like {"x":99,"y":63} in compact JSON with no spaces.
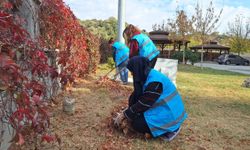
{"x":24,"y":64}
{"x":61,"y":30}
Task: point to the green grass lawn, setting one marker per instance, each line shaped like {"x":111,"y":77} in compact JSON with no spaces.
{"x":218,"y":107}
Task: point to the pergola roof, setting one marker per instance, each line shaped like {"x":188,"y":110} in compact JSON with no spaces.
{"x":160,"y":37}
{"x":211,"y":45}
{"x":159,"y":33}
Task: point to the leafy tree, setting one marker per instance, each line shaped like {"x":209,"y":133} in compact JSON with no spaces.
{"x":179,"y":29}
{"x":239,"y":33}
{"x":184,"y":27}
{"x":204,"y":23}
{"x":104,"y":29}
{"x":162,"y":27}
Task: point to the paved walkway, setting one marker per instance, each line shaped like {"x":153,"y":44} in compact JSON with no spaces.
{"x":233,"y":68}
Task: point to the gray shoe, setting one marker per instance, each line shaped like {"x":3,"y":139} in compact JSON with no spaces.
{"x":125,"y":83}
{"x":169,"y":136}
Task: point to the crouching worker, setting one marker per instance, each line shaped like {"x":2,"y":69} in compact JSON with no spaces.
{"x":155,"y":106}
{"x":120,"y":56}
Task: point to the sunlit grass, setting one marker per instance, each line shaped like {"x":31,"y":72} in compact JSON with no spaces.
{"x":209,"y":83}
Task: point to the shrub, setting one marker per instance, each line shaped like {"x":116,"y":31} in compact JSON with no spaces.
{"x":193,"y":57}
{"x":105,"y":51}
{"x":93,"y":48}
{"x":177,"y":55}
{"x":190,"y":56}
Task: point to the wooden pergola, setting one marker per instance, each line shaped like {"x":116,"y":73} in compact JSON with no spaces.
{"x":212,"y":50}
{"x":161,"y":39}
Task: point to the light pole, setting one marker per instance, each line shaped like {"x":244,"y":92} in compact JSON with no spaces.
{"x":121,"y":20}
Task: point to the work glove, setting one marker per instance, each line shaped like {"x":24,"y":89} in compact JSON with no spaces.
{"x":119,"y":119}
{"x":121,"y":122}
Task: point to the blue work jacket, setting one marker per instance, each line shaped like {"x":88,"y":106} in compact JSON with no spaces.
{"x":121,"y":52}
{"x":146,"y":47}
{"x":167,"y":113}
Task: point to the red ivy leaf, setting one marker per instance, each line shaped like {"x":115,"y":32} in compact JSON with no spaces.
{"x":20,"y":139}
{"x":37,"y":88}
{"x":36,"y":99}
{"x":6,"y":60}
{"x":48,"y":138}
{"x":41,"y":55}
{"x":23,"y":99}
{"x":7,"y":5}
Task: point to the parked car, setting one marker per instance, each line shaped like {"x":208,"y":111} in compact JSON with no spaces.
{"x":232,"y":59}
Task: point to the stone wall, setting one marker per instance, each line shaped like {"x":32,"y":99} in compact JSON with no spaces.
{"x":29,"y":10}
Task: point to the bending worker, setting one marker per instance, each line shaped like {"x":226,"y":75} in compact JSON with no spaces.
{"x":120,"y":56}
{"x":140,"y":44}
{"x":155,"y":105}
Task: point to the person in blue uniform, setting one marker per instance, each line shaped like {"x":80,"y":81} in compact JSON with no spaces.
{"x":120,"y":56}
{"x":140,"y":44}
{"x":155,"y":106}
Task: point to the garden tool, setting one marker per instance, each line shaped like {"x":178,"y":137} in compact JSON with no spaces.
{"x":107,"y":73}
{"x":116,"y":74}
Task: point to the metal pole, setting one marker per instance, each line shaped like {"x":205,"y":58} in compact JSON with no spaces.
{"x":121,"y":20}
{"x":202,"y":55}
